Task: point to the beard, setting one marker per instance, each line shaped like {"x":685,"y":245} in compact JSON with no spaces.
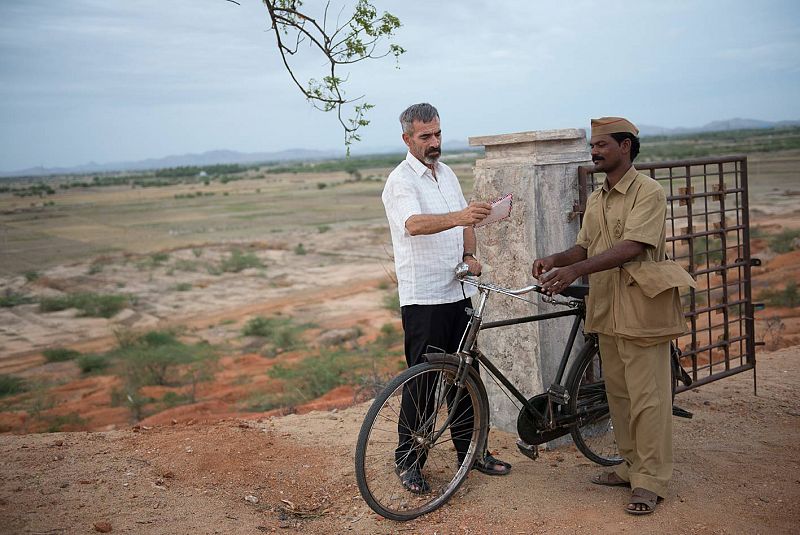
{"x":432,"y":156}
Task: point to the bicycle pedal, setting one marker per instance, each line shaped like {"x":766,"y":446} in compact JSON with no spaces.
{"x":531,"y":451}
{"x":558,"y":394}
{"x":681,"y":413}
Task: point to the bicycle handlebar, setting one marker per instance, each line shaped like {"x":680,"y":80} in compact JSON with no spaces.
{"x":463,"y":274}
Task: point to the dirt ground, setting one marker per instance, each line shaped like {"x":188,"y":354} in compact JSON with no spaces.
{"x":214,"y":467}
{"x":737,"y":470}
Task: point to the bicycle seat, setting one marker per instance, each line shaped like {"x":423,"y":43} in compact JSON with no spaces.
{"x":577,"y":291}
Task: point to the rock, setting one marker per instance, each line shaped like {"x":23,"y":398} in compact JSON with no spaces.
{"x":103,"y":527}
{"x":250,"y":498}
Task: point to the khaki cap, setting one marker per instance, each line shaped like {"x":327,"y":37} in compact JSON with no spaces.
{"x":613,"y":125}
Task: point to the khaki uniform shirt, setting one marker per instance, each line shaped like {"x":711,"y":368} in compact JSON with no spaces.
{"x":622,"y":301}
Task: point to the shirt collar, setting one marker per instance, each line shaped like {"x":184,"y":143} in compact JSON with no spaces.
{"x":624,"y":183}
{"x":418,"y":167}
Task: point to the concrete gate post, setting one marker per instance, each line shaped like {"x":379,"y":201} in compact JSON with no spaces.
{"x":541,"y":170}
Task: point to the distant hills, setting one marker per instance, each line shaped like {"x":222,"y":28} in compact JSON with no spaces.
{"x":714,"y":126}
{"x":199,"y":160}
{"x":234,"y":157}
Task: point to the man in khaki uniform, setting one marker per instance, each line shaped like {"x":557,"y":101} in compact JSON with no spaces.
{"x":633,"y":305}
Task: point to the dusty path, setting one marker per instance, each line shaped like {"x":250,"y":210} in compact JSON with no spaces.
{"x":737,"y":471}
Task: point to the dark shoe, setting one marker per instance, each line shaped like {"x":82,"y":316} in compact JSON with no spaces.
{"x":610,"y":479}
{"x":412,"y":480}
{"x":489,"y":465}
{"x":643,"y":502}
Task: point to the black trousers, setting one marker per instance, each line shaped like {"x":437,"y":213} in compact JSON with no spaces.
{"x":427,"y":327}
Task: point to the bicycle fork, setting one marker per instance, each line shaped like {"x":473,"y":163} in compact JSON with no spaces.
{"x":459,"y":381}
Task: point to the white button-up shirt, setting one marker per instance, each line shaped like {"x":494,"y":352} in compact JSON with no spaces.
{"x":425,"y":264}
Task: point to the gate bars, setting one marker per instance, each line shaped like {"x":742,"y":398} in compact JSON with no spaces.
{"x":708,"y":232}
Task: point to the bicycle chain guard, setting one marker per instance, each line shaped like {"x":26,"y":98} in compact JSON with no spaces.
{"x":526,"y":424}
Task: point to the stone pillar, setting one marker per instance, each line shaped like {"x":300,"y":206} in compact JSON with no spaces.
{"x":541,"y":170}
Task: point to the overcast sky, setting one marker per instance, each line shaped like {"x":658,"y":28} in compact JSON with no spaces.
{"x":105,"y":80}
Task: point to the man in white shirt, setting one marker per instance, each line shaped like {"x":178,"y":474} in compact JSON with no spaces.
{"x":432,"y":231}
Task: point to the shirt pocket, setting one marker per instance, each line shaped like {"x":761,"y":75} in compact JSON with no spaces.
{"x":640,"y":315}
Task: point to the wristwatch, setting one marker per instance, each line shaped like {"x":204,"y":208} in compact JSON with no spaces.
{"x":465,"y":255}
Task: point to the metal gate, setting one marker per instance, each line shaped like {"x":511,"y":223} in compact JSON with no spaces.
{"x":708,"y":233}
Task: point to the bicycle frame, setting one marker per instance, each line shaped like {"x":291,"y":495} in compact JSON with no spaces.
{"x":468,"y":348}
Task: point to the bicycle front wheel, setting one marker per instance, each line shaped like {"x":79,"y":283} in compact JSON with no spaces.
{"x":421,"y":421}
{"x":593,"y":432}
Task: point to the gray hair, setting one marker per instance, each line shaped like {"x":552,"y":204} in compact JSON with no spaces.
{"x":423,"y":112}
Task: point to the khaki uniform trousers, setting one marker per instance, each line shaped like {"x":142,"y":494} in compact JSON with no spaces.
{"x":638,"y":385}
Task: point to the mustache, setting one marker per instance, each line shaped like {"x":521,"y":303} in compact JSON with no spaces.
{"x":432,"y":151}
{"x":597,"y":158}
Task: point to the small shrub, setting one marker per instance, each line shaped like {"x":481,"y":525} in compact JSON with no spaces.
{"x":173,"y":399}
{"x":73,"y":421}
{"x":299,"y":250}
{"x":182,"y":287}
{"x":31,"y":276}
{"x":197,"y":252}
{"x":60,"y":354}
{"x":773,"y":333}
{"x":281,"y":332}
{"x":391,"y":302}
{"x":153,"y":358}
{"x":185,"y":265}
{"x":782,"y":243}
{"x":89,"y":304}
{"x":11,"y":299}
{"x":314,"y":376}
{"x":267,"y":402}
{"x":94,"y":269}
{"x":92,"y":363}
{"x":158,"y":258}
{"x":706,"y":249}
{"x":322,"y":229}
{"x":239,"y":261}
{"x":11,"y":384}
{"x":321,"y":185}
{"x":389,"y":335}
{"x":788,"y":297}
{"x":158,"y":338}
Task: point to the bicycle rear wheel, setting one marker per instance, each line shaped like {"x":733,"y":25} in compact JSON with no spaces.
{"x":593,"y":432}
{"x":431,"y":449}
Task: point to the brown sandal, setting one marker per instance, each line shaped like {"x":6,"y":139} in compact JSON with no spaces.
{"x":644,"y":497}
{"x":610,"y":479}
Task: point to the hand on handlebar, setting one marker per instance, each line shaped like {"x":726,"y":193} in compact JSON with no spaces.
{"x":556,"y":280}
{"x":475,"y":267}
{"x":541,"y":265}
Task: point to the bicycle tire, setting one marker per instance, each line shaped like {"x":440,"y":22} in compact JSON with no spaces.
{"x":593,"y":432}
{"x":377,"y":441}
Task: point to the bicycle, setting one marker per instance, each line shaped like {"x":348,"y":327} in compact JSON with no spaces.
{"x":447,"y":388}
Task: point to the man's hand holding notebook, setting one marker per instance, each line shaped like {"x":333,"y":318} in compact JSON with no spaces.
{"x":501,"y":209}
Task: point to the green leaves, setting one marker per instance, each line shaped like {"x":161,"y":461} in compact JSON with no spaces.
{"x":362,"y":35}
